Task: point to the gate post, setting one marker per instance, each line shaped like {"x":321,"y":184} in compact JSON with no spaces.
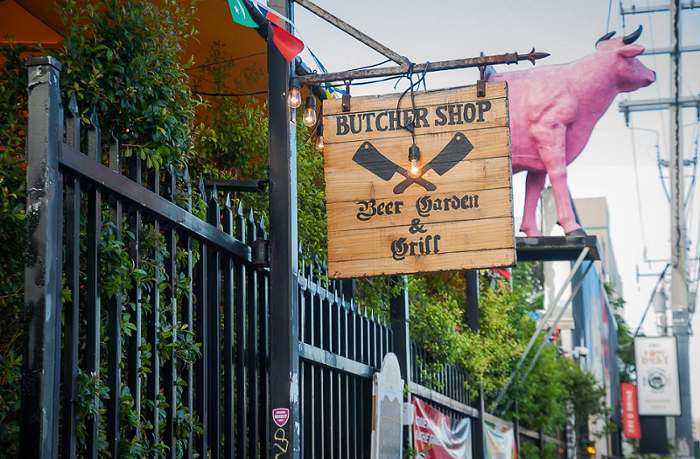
{"x":398,"y":309}
{"x":42,"y":272}
{"x":399,"y":326}
{"x":471,"y":278}
{"x":285,"y":439}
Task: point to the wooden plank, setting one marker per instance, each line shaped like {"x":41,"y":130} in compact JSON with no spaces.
{"x":435,"y":263}
{"x":385,"y":124}
{"x":496,"y":90}
{"x":448,"y":237}
{"x":487,"y":143}
{"x":472,"y":175}
{"x":355,"y":215}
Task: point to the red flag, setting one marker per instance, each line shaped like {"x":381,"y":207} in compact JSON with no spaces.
{"x":288,"y":44}
{"x":630,"y":418}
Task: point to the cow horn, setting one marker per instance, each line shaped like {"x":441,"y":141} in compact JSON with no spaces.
{"x":607,"y":36}
{"x":631,"y":38}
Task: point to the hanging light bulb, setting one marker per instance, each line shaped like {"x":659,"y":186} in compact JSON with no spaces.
{"x":310,"y":112}
{"x":294,"y":94}
{"x":320,"y":143}
{"x":414,"y":161}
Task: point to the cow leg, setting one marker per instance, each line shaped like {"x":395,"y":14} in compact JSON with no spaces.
{"x":552,"y":150}
{"x":533,"y":189}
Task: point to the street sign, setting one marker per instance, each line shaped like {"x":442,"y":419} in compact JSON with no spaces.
{"x":452,"y":211}
{"x":658,"y":390}
{"x":387,"y":426}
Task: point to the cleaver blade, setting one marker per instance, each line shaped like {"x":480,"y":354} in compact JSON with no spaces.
{"x":369,"y":157}
{"x":455,"y":151}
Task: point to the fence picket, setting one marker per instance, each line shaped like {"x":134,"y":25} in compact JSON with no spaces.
{"x":72,"y":310}
{"x":241,"y":342}
{"x":170,"y":365}
{"x":202,"y":367}
{"x":186,"y":313}
{"x":229,"y":330}
{"x":213,"y":312}
{"x":92,"y":313}
{"x":114,"y":376}
{"x":253,"y":387}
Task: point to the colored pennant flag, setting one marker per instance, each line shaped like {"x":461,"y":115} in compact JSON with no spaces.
{"x":288,"y":44}
{"x":269,"y":15}
{"x":240,"y":14}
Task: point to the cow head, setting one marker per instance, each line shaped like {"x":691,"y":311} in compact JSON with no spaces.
{"x":620,"y":54}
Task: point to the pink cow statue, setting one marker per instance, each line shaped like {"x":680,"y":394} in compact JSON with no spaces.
{"x":553,"y":110}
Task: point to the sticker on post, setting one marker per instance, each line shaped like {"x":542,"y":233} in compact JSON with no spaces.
{"x":280,"y":416}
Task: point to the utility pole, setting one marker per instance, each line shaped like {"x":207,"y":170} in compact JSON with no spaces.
{"x":679,"y":282}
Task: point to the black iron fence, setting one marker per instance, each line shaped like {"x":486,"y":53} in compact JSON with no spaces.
{"x":181,"y":353}
{"x":173,"y":349}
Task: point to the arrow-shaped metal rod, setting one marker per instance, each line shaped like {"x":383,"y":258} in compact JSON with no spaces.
{"x":470,"y":62}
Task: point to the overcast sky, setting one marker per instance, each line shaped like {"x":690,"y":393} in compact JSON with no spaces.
{"x":444,"y":29}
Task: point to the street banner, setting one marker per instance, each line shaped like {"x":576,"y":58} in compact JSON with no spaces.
{"x":418,"y":184}
{"x":499,"y":441}
{"x":630,"y":417}
{"x":438,"y":436}
{"x":657,"y":376}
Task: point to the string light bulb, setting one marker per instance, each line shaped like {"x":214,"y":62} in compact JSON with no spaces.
{"x":294,"y":93}
{"x":310,"y":112}
{"x":320,"y":142}
{"x":414,"y":161}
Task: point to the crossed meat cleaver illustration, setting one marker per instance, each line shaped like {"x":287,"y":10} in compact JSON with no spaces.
{"x":371,"y":159}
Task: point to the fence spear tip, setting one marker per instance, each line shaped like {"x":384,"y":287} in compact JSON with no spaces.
{"x":94,"y":121}
{"x":227,"y":201}
{"x":73,"y":105}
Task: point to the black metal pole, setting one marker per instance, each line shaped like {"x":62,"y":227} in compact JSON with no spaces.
{"x":42,"y":273}
{"x":472,"y":278}
{"x":399,"y":326}
{"x":284,"y":322}
{"x":472,"y":283}
{"x":398,"y":307}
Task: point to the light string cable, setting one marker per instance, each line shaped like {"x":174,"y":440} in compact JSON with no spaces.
{"x":411,"y":87}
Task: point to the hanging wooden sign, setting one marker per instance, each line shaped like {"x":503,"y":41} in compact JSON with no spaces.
{"x":450,"y":210}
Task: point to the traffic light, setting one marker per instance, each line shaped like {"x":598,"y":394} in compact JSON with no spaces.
{"x":588,"y":447}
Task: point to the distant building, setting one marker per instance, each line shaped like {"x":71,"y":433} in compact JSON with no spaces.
{"x":588,"y":328}
{"x":593,"y":216}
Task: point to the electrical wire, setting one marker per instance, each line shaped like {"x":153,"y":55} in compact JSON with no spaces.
{"x":233,"y":59}
{"x":371,"y":66}
{"x":230,"y":94}
{"x":658,"y":86}
{"x":607,"y":23}
{"x":639,"y":195}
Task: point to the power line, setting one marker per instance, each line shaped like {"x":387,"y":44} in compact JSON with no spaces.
{"x":636,"y":177}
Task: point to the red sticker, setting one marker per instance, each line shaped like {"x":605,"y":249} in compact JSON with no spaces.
{"x":280,"y":416}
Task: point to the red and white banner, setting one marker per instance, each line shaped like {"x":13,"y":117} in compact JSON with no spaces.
{"x":630,"y":417}
{"x":439,"y":436}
